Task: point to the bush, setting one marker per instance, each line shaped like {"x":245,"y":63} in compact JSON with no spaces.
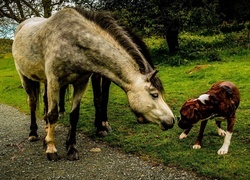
{"x":5,"y":46}
{"x":195,"y":47}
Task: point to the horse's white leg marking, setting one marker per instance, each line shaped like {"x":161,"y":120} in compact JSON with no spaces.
{"x":225,"y":146}
{"x":196,"y":146}
{"x":50,"y":140}
{"x":221,"y":132}
{"x":182,"y":136}
{"x":53,"y":99}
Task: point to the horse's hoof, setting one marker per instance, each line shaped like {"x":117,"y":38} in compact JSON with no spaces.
{"x":72,"y":154}
{"x":53,"y":157}
{"x":102,"y":133}
{"x":106,"y":126}
{"x":33,"y":138}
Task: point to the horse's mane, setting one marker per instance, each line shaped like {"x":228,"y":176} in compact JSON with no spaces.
{"x":123,"y":37}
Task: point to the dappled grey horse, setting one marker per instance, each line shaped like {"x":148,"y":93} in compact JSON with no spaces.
{"x":66,"y":49}
{"x":100,"y":86}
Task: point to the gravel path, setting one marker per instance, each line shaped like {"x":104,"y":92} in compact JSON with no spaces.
{"x":20,"y":159}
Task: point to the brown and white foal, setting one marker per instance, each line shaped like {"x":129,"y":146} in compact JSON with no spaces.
{"x":222,"y":100}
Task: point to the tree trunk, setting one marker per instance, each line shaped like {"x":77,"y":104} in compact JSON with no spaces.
{"x":172,"y":37}
{"x":47,"y":6}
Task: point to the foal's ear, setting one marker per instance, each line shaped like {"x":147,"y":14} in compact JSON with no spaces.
{"x":151,"y":75}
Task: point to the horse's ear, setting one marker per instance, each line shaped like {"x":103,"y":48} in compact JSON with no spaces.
{"x":151,"y":75}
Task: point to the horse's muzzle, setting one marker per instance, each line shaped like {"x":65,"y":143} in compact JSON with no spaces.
{"x":165,"y":126}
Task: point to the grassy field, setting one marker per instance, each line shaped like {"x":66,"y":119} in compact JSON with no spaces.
{"x":148,"y":141}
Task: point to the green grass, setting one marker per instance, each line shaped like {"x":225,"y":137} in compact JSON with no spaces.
{"x":148,"y":141}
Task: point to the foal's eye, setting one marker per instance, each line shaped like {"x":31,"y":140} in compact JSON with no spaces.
{"x":154,"y":95}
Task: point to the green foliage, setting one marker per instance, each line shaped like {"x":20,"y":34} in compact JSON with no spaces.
{"x":181,"y":83}
{"x":196,"y":47}
{"x":5,"y":46}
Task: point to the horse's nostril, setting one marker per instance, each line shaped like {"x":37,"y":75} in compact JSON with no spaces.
{"x":166,"y":126}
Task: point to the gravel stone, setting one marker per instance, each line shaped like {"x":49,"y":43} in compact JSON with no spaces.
{"x":21,"y":159}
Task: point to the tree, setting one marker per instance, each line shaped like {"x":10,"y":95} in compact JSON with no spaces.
{"x":13,"y":12}
{"x":19,"y":10}
{"x":165,"y":17}
{"x":231,"y":10}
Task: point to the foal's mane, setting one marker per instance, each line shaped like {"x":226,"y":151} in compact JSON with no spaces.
{"x":109,"y":24}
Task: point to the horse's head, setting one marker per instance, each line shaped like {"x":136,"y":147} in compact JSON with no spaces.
{"x":147,"y":103}
{"x":189,"y":114}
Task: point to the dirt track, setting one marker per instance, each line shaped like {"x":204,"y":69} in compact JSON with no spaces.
{"x":20,"y":159}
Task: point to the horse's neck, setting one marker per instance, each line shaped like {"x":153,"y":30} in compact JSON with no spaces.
{"x":109,"y":59}
{"x":117,"y":68}
{"x":93,"y":49}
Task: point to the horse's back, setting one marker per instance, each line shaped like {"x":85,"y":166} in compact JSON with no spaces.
{"x":26,"y":49}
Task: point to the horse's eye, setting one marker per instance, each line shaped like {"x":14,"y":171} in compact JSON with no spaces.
{"x":154,"y":95}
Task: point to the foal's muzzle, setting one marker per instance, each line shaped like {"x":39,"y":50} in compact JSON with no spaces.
{"x":183,"y":125}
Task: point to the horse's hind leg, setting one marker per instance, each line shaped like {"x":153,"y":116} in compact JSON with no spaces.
{"x":79,"y":89}
{"x":32,"y":88}
{"x":100,"y":87}
{"x":62,"y":100}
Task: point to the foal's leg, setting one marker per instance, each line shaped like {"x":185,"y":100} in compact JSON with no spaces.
{"x":184,"y":133}
{"x":79,"y":89}
{"x":32,"y":88}
{"x":230,"y":125}
{"x":221,"y":132}
{"x":197,"y":144}
{"x":100,"y":87}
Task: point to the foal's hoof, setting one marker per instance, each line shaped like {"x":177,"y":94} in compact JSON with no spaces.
{"x":72,"y":154}
{"x":53,"y":157}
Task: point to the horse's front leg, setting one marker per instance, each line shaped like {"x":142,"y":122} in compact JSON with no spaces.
{"x":198,"y":141}
{"x":51,"y":119}
{"x":227,"y":140}
{"x":79,"y":89}
{"x":100,"y":87}
{"x":104,"y":103}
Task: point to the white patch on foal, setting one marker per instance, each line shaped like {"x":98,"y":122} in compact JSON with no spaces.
{"x":221,"y":132}
{"x":203,"y":98}
{"x":182,"y":136}
{"x":225,"y":146}
{"x":196,"y":146}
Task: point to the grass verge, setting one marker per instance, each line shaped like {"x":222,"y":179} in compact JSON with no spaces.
{"x":148,"y":141}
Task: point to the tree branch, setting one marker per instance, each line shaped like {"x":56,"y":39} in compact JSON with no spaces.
{"x":35,"y":11}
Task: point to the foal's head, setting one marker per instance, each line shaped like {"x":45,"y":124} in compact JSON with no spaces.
{"x":146,"y":101}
